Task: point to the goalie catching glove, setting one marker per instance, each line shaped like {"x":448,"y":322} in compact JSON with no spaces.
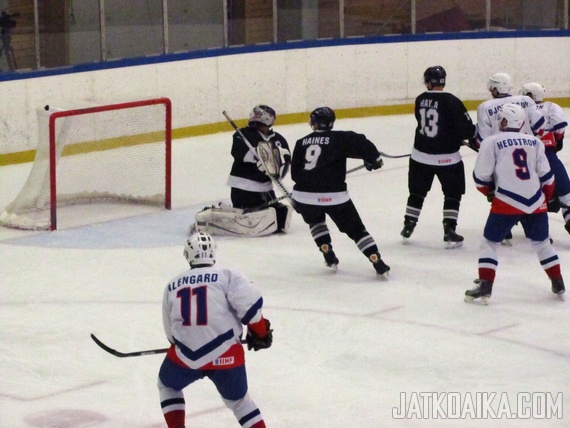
{"x":257,"y":340}
{"x":273,"y":160}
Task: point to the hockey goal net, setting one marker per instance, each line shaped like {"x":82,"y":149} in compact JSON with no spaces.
{"x":106,"y":153}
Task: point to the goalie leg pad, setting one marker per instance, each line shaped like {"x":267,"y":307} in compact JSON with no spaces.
{"x":221,"y":222}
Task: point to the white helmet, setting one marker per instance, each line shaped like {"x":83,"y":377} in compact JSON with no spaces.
{"x":501,"y":82}
{"x":514,"y":115}
{"x":262,"y":114}
{"x":200,"y":249}
{"x":534,"y":90}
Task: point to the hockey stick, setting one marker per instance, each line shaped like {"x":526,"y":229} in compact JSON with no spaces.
{"x":275,"y":180}
{"x":264,"y":205}
{"x":132,"y":354}
{"x":127,"y":354}
{"x":386,"y":155}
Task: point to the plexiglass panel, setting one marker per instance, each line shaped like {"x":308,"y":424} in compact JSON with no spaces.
{"x":195,"y":25}
{"x":134,"y":28}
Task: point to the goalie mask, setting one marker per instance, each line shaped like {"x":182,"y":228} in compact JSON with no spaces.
{"x":514,"y":116}
{"x":534,"y":90}
{"x":501,"y":82}
{"x":262,"y":114}
{"x":322,"y":119}
{"x":200,"y":250}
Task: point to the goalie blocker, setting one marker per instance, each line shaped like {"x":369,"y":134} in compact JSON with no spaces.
{"x":224,"y":220}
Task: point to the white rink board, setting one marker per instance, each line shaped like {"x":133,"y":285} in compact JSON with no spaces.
{"x":291,"y":81}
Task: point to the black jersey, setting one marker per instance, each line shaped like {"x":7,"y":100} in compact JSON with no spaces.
{"x":319,"y":159}
{"x":245,"y":163}
{"x":443,"y":123}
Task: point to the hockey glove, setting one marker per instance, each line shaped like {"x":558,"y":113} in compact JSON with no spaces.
{"x":473,"y":144}
{"x":553,"y":206}
{"x":377,"y":164}
{"x":256,"y":342}
{"x":490,"y":196}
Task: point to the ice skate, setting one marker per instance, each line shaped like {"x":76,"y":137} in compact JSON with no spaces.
{"x":558,"y":287}
{"x":452,"y":239}
{"x":482,"y":292}
{"x":330,"y":257}
{"x":382,"y":269}
{"x":409,"y":226}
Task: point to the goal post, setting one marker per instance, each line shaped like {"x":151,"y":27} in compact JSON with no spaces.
{"x":105,"y":153}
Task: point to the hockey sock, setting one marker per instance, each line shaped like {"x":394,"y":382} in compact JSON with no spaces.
{"x":414,"y":207}
{"x":488,"y":261}
{"x":175,"y":419}
{"x":548,"y":258}
{"x":320,"y":233}
{"x":246,"y":412}
{"x":366,"y":244}
{"x":451,"y":212}
{"x":173,"y":405}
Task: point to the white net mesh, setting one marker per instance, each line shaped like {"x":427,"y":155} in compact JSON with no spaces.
{"x":115,"y":154}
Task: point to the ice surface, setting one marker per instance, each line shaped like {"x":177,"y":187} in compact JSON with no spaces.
{"x":346,"y":345}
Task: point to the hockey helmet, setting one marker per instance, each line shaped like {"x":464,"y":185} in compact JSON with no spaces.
{"x":322,"y":119}
{"x":200,"y":250}
{"x":262,"y":114}
{"x":514,"y":115}
{"x":501,"y":82}
{"x":435,"y":75}
{"x":534,"y":90}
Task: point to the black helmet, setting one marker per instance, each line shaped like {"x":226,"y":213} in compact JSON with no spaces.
{"x":322,"y":118}
{"x":435,"y":75}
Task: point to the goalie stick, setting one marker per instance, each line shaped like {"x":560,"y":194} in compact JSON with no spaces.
{"x":132,"y":354}
{"x":275,"y":180}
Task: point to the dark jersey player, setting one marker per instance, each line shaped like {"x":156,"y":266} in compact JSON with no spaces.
{"x":442,"y":125}
{"x":318,"y":169}
{"x":250,"y":185}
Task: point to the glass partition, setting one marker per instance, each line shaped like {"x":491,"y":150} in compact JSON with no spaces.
{"x":195,"y":25}
{"x":133,"y":28}
{"x":53,"y":33}
{"x":450,"y":16}
{"x":367,"y":18}
{"x":527,"y":15}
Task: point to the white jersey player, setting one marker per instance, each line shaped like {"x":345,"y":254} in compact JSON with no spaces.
{"x":555,"y":121}
{"x":500,"y":87}
{"x":204,"y":309}
{"x":513,"y":171}
{"x":553,"y":141}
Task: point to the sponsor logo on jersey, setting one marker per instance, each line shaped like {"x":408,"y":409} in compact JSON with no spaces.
{"x":225,"y":361}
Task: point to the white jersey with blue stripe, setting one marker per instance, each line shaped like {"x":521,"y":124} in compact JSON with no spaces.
{"x":204,"y":310}
{"x":487,"y":123}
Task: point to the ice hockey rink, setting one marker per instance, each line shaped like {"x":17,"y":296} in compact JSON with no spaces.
{"x":348,"y":348}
